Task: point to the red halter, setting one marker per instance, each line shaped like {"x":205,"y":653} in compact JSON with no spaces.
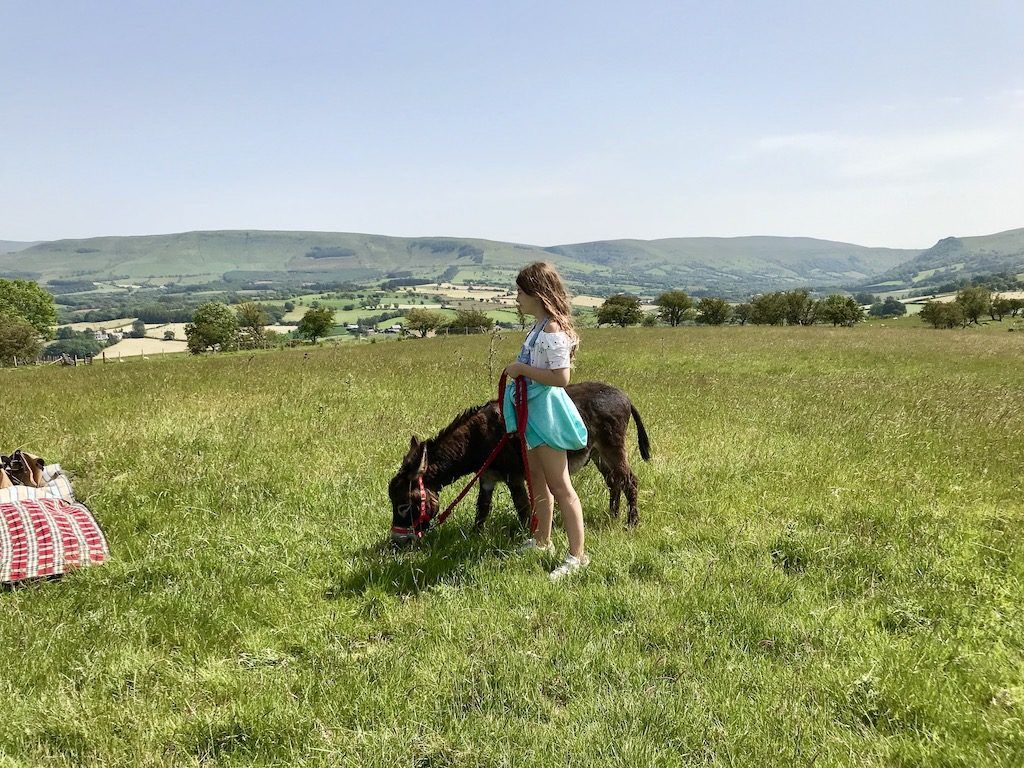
{"x":423,"y":523}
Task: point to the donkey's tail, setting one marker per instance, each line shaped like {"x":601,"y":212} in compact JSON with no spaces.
{"x":645,"y":444}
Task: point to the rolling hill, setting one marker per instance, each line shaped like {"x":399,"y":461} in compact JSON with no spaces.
{"x":729,"y":266}
{"x":953,"y":258}
{"x":13,"y":246}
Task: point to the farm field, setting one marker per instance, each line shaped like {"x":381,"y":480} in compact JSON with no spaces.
{"x":828,"y":571}
{"x":952,"y":296}
{"x":146,"y":346}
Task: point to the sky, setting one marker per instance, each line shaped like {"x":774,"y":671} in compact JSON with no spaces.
{"x":877,"y":123}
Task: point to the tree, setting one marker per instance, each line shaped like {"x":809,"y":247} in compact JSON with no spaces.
{"x":891,"y":307}
{"x":864,"y":298}
{"x":471,"y":321}
{"x":423,"y":321}
{"x":713,"y":311}
{"x":799,"y":308}
{"x":1000,"y":308}
{"x":673,"y":306}
{"x":25,"y":299}
{"x":81,"y":346}
{"x":943,"y":314}
{"x":974,"y":300}
{"x":316,"y":323}
{"x":168,"y":335}
{"x":138,"y":330}
{"x":19,"y":339}
{"x":769,"y":309}
{"x":213,"y":327}
{"x":741,"y":312}
{"x":840,"y":310}
{"x":252,"y":322}
{"x":622,"y":309}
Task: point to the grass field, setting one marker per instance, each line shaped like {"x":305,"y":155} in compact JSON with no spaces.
{"x":828,"y":569}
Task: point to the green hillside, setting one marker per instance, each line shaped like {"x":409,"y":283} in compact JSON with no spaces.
{"x":13,"y":246}
{"x":736,"y":266}
{"x":959,"y":257}
{"x":741,"y":264}
{"x":725,"y":265}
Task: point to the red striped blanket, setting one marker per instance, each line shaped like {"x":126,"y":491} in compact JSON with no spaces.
{"x":46,"y":537}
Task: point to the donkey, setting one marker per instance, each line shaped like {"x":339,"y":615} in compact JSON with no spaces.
{"x":462,"y":447}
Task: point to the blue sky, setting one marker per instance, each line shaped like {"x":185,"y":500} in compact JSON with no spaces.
{"x":541,"y":122}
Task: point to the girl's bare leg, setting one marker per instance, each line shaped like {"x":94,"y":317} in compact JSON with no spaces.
{"x":555,"y":466}
{"x":543,"y":501}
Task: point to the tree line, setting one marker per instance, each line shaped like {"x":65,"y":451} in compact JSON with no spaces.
{"x":970,"y":306}
{"x":778,"y":308}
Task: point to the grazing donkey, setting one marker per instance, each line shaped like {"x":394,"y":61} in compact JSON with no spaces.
{"x":462,"y":447}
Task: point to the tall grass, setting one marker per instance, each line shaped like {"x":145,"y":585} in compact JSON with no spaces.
{"x":828,"y":569}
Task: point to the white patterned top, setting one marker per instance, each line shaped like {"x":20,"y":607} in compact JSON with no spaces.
{"x":551,"y":350}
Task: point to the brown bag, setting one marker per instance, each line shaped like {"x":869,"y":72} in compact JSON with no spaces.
{"x":24,"y":469}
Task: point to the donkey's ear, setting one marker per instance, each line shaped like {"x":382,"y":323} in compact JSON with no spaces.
{"x":414,"y":442}
{"x":423,"y":461}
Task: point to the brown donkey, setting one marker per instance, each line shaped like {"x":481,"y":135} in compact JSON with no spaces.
{"x":462,"y":447}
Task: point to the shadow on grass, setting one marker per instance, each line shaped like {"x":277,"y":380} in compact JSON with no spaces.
{"x":447,"y":555}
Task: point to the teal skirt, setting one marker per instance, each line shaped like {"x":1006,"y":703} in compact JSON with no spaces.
{"x":552,"y":418}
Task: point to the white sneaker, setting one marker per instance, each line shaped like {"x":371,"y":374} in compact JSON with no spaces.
{"x":531,"y":545}
{"x":570,"y":565}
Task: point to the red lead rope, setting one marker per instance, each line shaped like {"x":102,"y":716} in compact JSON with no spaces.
{"x":519,"y":403}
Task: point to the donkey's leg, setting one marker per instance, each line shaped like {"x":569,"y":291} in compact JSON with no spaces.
{"x":633,"y":516}
{"x":612,"y":481}
{"x":520,"y":497}
{"x":483,"y":499}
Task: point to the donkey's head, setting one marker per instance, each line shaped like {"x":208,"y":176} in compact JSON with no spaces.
{"x":413,"y":505}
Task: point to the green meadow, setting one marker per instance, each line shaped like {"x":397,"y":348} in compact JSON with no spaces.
{"x":827,"y":572}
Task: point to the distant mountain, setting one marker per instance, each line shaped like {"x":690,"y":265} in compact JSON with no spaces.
{"x":955,"y":258}
{"x":727,"y":266}
{"x":737,"y":265}
{"x":13,"y":246}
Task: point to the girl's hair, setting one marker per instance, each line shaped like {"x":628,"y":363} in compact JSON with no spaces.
{"x":542,"y":281}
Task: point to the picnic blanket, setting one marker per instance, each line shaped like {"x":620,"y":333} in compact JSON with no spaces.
{"x":55,"y":485}
{"x":44,"y":532}
{"x":47,"y":537}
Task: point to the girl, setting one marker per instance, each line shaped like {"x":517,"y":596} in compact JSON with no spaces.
{"x":553,"y":424}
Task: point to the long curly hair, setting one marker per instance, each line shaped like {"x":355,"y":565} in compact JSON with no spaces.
{"x":542,"y":281}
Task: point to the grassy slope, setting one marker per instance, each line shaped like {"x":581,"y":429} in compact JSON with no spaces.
{"x":828,"y":569}
{"x":13,"y":246}
{"x":967,"y":256}
{"x":757,"y":261}
{"x":798,"y":258}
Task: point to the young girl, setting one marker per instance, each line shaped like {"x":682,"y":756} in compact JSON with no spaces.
{"x":553,"y":425}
